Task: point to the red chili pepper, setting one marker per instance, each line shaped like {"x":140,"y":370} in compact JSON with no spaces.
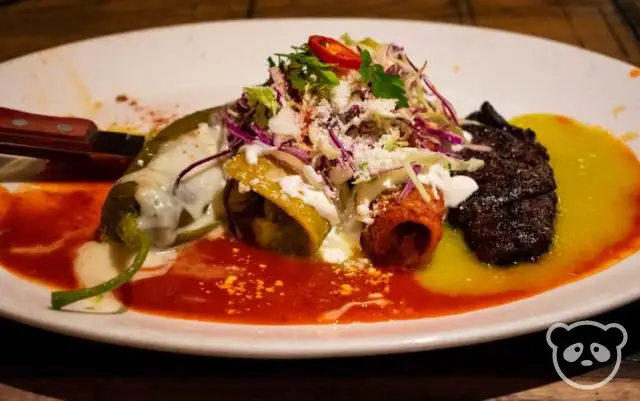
{"x":333,"y":52}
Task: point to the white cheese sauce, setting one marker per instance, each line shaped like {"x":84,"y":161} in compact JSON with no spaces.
{"x":294,"y":186}
{"x":97,"y":262}
{"x":254,"y":150}
{"x":339,"y":245}
{"x":199,"y":192}
{"x":455,"y":190}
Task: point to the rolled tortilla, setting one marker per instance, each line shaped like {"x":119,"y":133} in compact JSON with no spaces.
{"x":260,"y":213}
{"x":404,"y":233}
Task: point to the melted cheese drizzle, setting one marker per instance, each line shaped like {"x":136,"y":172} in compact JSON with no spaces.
{"x":199,"y":193}
{"x":335,"y":314}
{"x":293,"y":186}
{"x":254,"y":150}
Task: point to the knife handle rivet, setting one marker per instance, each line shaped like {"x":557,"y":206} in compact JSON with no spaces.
{"x":64,"y":127}
{"x":19,"y":122}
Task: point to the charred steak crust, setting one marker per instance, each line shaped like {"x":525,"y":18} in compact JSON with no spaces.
{"x":511,"y":217}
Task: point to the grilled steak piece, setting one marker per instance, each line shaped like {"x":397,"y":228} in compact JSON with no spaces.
{"x":511,"y":217}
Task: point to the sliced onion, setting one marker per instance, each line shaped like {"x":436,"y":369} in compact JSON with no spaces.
{"x":296,"y":165}
{"x":478,"y":148}
{"x":292,"y":161}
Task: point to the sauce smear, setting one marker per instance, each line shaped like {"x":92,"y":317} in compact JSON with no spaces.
{"x":224,"y":280}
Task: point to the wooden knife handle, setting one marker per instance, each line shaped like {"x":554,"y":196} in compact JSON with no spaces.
{"x":61,"y":134}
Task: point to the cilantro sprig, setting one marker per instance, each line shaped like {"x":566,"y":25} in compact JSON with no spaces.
{"x":387,"y":86}
{"x":306,"y":72}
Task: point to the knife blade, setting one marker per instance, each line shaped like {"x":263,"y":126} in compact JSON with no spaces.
{"x":51,"y":137}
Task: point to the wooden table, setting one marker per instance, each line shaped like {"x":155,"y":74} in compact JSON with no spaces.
{"x":36,"y":365}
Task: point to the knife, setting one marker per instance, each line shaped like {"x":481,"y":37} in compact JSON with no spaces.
{"x":50,"y":137}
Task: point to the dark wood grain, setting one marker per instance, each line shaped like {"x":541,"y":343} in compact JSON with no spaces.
{"x":37,"y":365}
{"x":31,"y":25}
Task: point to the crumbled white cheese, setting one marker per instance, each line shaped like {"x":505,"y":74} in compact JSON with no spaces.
{"x":256,"y":149}
{"x":371,"y":161}
{"x":340,"y":96}
{"x":323,"y":111}
{"x":286,"y":122}
{"x":467,"y":136}
{"x":322,"y":142}
{"x":455,"y":190}
{"x":293,"y":186}
{"x":380,"y":107}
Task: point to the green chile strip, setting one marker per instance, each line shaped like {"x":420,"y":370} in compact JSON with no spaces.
{"x":134,"y":239}
{"x":118,"y":222}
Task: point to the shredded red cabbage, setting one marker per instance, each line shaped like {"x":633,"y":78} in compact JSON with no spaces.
{"x":198,"y":163}
{"x":393,"y":69}
{"x":409,"y":185}
{"x":236,"y":131}
{"x":345,"y":154}
{"x":243,"y":103}
{"x":301,"y":154}
{"x":448,"y":108}
{"x":281,"y":140}
{"x":445,"y":135}
{"x":434,"y":135}
{"x":261,"y":134}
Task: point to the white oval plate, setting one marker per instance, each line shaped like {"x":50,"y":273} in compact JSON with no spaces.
{"x":195,"y":66}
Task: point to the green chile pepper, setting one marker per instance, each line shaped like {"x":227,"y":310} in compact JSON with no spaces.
{"x":121,"y":200}
{"x":118,"y":222}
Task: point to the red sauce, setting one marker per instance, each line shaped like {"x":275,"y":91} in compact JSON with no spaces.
{"x":225,"y":280}
{"x":42,"y":228}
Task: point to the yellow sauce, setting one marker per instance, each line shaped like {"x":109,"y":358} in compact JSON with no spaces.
{"x":598,"y":180}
